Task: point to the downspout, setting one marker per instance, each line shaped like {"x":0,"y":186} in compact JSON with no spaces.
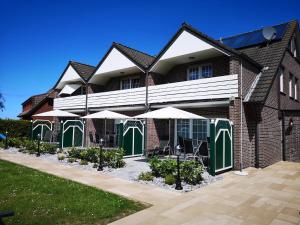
{"x":146,"y":110}
{"x":241,"y":172}
{"x":283,"y":136}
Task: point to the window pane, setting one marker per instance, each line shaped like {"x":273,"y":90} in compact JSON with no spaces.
{"x":125,"y":84}
{"x":183,"y":128}
{"x":206,"y":71}
{"x":291,"y":86}
{"x":135,"y":83}
{"x":193,"y":73}
{"x":281,"y":80}
{"x":199,"y":130}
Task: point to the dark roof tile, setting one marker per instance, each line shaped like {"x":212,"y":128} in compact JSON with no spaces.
{"x":84,"y":70}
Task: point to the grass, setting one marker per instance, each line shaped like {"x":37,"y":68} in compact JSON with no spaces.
{"x":40,"y":198}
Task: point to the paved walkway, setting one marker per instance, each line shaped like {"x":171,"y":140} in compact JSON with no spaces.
{"x":266,"y":196}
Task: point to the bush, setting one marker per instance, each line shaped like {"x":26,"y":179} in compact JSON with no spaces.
{"x":146,"y":176}
{"x":170,"y":179}
{"x":2,"y":144}
{"x":90,"y":155}
{"x":95,"y":165}
{"x":191,"y":172}
{"x":71,"y":160}
{"x":15,"y":128}
{"x":114,"y":158}
{"x":74,"y":153}
{"x":161,"y":168}
{"x":15,"y":142}
{"x":30,"y":146}
{"x":83,"y":162}
{"x":61,"y":157}
{"x":48,"y":148}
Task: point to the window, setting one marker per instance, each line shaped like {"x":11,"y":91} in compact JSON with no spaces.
{"x":281,"y":72}
{"x":296,"y":89}
{"x":293,"y":47}
{"x":198,"y":72}
{"x":291,"y":85}
{"x":193,"y":129}
{"x":129,"y":83}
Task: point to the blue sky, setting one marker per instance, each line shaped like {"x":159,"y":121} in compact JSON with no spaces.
{"x":38,"y":38}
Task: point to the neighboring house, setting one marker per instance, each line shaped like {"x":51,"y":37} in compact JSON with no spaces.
{"x":37,"y":104}
{"x":245,"y":78}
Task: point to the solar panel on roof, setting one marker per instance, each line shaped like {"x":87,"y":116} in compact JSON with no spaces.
{"x":253,"y":38}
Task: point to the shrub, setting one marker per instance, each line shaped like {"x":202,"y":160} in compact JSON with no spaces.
{"x":114,"y":158}
{"x":170,"y":179}
{"x":74,"y":153}
{"x":15,"y":128}
{"x":161,"y":168}
{"x":95,"y":165}
{"x":61,"y":157}
{"x":83,"y":162}
{"x":2,"y":144}
{"x":71,"y":160}
{"x":15,"y":142}
{"x":191,"y":172}
{"x":48,"y":148}
{"x":30,"y":146}
{"x":146,"y":176}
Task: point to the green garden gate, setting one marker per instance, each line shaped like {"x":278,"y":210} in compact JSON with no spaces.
{"x":72,"y":133}
{"x":131,"y":137}
{"x":40,"y":127}
{"x":221,"y":145}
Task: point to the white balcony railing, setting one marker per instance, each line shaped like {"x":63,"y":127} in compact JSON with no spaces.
{"x":222,"y":87}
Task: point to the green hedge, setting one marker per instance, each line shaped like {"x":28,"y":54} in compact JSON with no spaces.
{"x":15,"y":128}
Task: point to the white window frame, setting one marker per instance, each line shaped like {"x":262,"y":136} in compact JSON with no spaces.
{"x":296,"y":89}
{"x":130,"y":82}
{"x":291,"y":85}
{"x":293,"y":47}
{"x":200,"y":70}
{"x":281,"y":80}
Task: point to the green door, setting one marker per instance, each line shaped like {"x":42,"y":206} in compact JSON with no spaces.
{"x":131,"y":139}
{"x":72,"y":133}
{"x":221,"y":145}
{"x":41,"y":127}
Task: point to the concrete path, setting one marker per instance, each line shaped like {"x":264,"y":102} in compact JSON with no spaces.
{"x":266,"y":196}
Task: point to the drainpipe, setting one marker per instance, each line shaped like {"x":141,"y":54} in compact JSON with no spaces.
{"x":283,"y":136}
{"x":241,"y":172}
{"x":146,"y":110}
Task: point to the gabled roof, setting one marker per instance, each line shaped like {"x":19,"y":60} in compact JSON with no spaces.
{"x":140,"y":59}
{"x":269,"y":56}
{"x":209,"y":40}
{"x":84,"y":71}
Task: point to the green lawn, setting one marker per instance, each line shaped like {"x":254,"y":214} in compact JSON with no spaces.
{"x":40,"y":198}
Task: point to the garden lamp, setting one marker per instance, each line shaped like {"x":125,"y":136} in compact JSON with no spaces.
{"x":178,"y":180}
{"x":100,"y":167}
{"x":6,"y":139}
{"x":39,"y":139}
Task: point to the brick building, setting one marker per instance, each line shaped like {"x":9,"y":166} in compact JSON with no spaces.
{"x":249,"y":79}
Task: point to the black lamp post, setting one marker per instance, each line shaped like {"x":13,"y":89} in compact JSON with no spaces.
{"x":38,"y":150}
{"x":100,"y":167}
{"x":6,"y":139}
{"x":178,"y":180}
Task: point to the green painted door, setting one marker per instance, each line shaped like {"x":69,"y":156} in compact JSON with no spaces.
{"x":41,"y":127}
{"x":72,"y":133}
{"x":132,"y":140}
{"x":221,"y":145}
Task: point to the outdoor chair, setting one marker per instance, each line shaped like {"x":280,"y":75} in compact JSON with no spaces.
{"x":5,"y":214}
{"x":188,"y":148}
{"x":97,"y":138}
{"x":181,"y":143}
{"x":92,"y":140}
{"x":204,"y":154}
{"x":163,"y":148}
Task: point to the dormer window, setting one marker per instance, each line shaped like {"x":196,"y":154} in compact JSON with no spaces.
{"x":130,"y":83}
{"x":199,"y":71}
{"x":293,"y":47}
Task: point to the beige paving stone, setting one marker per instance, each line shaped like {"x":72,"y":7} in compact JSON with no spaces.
{"x":267,"y":196}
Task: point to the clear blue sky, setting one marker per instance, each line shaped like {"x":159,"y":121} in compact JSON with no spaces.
{"x":38,"y":38}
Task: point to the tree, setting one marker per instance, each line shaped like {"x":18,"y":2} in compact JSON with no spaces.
{"x":1,"y":102}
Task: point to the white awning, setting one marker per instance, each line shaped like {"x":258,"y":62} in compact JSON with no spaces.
{"x":56,"y":113}
{"x":106,"y":114}
{"x":69,"y":89}
{"x":169,"y":113}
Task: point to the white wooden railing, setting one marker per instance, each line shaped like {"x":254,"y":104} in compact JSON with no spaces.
{"x":222,"y":87}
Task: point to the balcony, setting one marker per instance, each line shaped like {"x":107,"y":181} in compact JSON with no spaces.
{"x":208,"y":89}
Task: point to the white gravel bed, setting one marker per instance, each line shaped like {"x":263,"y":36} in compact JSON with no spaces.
{"x":134,"y":166}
